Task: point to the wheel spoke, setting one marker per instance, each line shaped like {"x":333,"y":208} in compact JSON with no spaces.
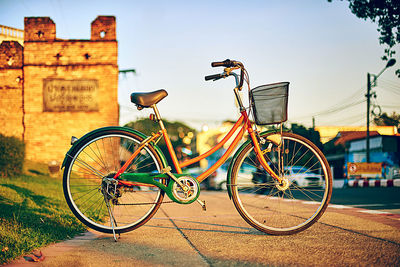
{"x":282,"y":208}
{"x":89,"y":172}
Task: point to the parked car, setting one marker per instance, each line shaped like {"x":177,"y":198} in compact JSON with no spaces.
{"x":297,"y":175}
{"x":300,"y":176}
{"x":245,"y":175}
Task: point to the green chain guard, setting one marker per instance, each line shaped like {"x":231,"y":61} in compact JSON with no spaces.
{"x":151,"y":178}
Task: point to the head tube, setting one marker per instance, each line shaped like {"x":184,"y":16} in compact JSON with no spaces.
{"x":236,"y":78}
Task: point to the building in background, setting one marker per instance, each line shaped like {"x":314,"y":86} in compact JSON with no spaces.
{"x":384,"y":157}
{"x":329,"y":132}
{"x":11,"y":34}
{"x":51,"y":89}
{"x":348,"y":156}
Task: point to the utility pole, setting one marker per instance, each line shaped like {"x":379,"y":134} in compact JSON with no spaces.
{"x":368,"y":95}
{"x":313,"y":123}
{"x":390,"y":63}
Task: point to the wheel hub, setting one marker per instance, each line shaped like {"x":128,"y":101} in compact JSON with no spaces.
{"x":189,"y":192}
{"x":109,"y":188}
{"x":284,"y":184}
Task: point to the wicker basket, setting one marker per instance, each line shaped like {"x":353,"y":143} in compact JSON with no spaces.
{"x":269,"y":103}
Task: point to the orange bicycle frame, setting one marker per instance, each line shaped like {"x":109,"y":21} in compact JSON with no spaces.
{"x":246,"y":126}
{"x":243,"y":123}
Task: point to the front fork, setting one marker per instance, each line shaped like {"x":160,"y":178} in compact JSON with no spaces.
{"x":274,"y":138}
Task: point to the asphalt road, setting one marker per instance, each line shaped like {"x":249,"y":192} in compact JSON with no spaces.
{"x":184,"y":235}
{"x":373,"y":198}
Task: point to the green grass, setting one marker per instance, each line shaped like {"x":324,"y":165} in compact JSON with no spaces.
{"x":33,"y":213}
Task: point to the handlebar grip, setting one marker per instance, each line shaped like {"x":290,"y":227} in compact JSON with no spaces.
{"x":226,"y":63}
{"x":213,"y":77}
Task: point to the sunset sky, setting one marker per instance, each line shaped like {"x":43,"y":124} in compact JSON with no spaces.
{"x":321,"y":48}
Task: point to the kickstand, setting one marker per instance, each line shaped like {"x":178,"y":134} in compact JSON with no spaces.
{"x":113,"y":224}
{"x":112,"y":220}
{"x":202,"y":204}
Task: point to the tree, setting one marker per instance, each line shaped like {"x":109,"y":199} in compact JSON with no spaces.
{"x":386,"y":120}
{"x":180,"y":134}
{"x":386,"y":13}
{"x":176,"y":130}
{"x":330,"y":148}
{"x":309,"y":133}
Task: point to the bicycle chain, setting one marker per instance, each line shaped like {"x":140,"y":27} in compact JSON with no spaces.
{"x":137,"y":204}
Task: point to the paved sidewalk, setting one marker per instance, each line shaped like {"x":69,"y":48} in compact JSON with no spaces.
{"x":181,"y":235}
{"x":157,"y":243}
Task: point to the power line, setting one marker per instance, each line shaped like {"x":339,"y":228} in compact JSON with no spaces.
{"x":348,"y":120}
{"x":344,"y":104}
{"x":332,"y":110}
{"x":389,"y":86}
{"x":393,"y":83}
{"x":339,"y":108}
{"x":392,"y":90}
{"x":390,"y":106}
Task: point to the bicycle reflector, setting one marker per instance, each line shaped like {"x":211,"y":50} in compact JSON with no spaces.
{"x":152,"y":117}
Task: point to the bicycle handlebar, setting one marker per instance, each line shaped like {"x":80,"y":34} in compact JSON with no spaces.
{"x":214,"y":77}
{"x":228,"y":64}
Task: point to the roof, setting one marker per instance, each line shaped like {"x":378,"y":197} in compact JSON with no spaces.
{"x":329,"y":132}
{"x":345,"y":136}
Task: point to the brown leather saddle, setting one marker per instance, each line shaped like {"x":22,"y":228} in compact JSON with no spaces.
{"x":146,"y":100}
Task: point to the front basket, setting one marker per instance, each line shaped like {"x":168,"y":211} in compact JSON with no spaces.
{"x":269,"y":103}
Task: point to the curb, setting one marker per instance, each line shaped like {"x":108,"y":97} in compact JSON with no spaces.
{"x":378,"y":215}
{"x":373,"y":183}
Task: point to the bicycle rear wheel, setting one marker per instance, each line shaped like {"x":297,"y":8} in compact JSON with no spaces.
{"x":286,"y":208}
{"x":91,"y":192}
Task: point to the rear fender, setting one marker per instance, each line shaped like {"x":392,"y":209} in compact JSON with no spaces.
{"x":90,"y":134}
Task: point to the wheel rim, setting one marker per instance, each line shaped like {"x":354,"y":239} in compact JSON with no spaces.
{"x":102,"y":157}
{"x":285,"y":208}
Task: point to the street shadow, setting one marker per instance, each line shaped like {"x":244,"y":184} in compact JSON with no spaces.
{"x":158,"y":255}
{"x":28,"y":194}
{"x":239,"y":229}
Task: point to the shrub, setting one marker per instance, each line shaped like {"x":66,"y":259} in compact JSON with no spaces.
{"x":12,"y":155}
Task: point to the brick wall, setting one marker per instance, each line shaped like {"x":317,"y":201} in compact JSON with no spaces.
{"x":11,"y":53}
{"x":47,"y":133}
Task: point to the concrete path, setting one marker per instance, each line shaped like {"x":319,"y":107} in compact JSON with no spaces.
{"x":185,"y":235}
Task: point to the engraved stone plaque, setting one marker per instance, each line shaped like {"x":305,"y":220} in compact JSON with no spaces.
{"x":70,"y":95}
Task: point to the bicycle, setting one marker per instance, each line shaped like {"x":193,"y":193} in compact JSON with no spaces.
{"x":115,"y":178}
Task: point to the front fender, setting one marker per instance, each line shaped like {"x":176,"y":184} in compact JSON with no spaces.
{"x":236,"y":155}
{"x":89,"y":134}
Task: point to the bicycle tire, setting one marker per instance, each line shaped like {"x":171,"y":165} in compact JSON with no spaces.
{"x":279,"y":209}
{"x":101,"y":155}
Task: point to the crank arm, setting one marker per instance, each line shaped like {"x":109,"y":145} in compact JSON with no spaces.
{"x":167,"y":171}
{"x":151,"y":179}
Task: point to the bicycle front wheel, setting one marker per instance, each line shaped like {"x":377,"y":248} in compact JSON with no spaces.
{"x":92,"y":194}
{"x":288,"y":207}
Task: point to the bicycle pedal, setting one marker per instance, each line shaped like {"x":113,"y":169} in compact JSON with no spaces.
{"x":202,"y":204}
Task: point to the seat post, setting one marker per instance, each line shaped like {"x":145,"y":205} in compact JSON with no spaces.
{"x":158,"y":116}
{"x":167,"y":140}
